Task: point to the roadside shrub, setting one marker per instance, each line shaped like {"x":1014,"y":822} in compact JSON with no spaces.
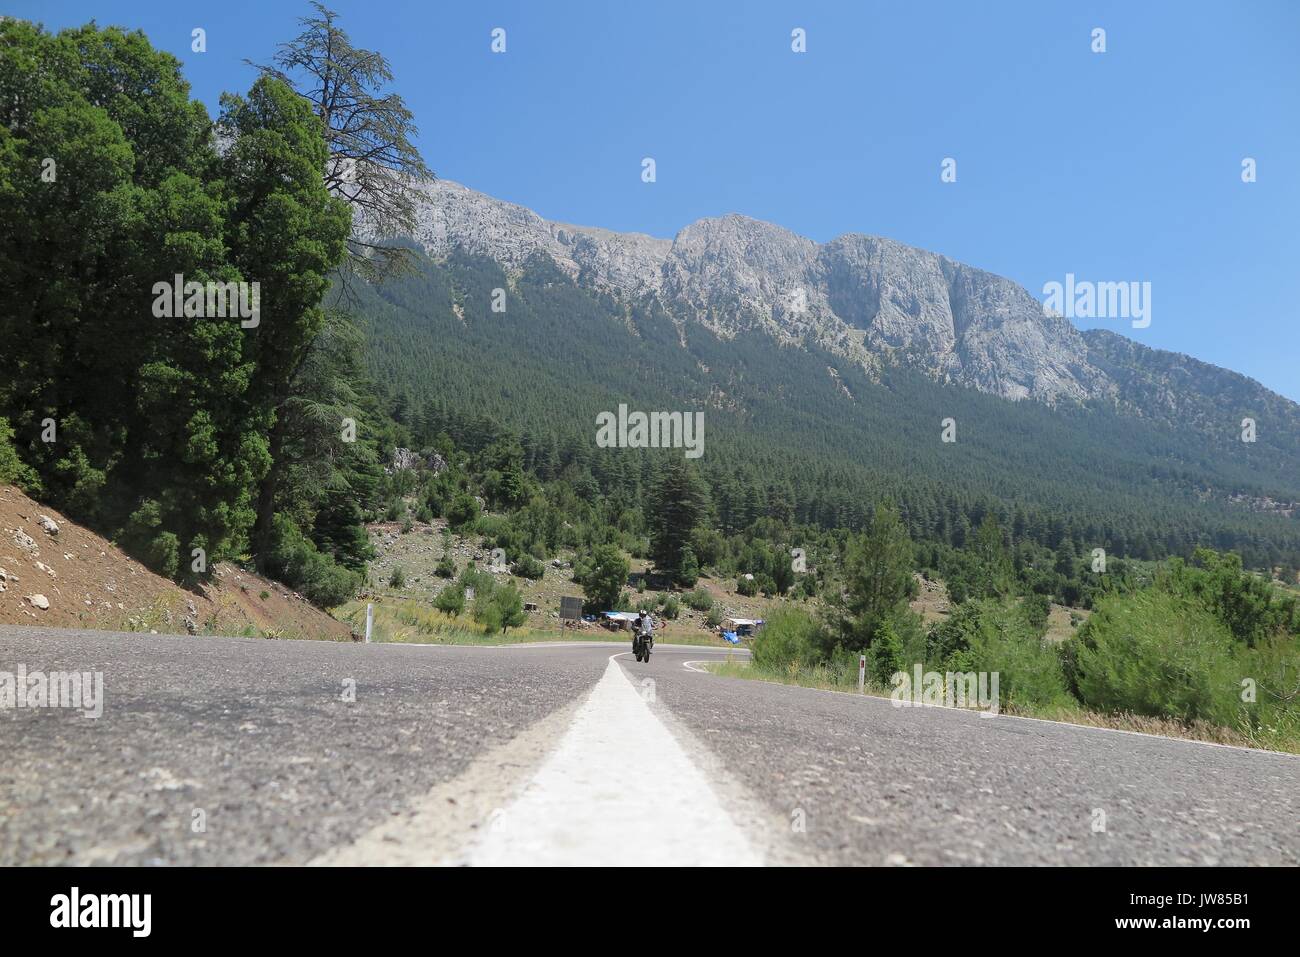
{"x":499,"y":609}
{"x":451,"y":600}
{"x":899,"y":643}
{"x":477,"y":579}
{"x":788,"y":641}
{"x":294,"y":560}
{"x":398,"y":578}
{"x":885,"y":656}
{"x":1246,"y":604}
{"x":954,"y":633}
{"x":1158,"y":654}
{"x":746,"y":586}
{"x":602,"y":575}
{"x":143,"y":538}
{"x":1029,"y":669}
{"x":714,"y":618}
{"x":445,"y":568}
{"x":1273,"y":720}
{"x":671,"y":608}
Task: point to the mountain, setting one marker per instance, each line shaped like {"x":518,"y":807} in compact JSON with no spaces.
{"x":842,"y":359}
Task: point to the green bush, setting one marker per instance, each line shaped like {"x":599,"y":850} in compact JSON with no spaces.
{"x":1001,"y":639}
{"x":1246,"y":604}
{"x":482,"y":582}
{"x":451,"y":600}
{"x":499,"y":609}
{"x":294,"y":560}
{"x":602,"y":577}
{"x":462,"y":512}
{"x":714,"y":618}
{"x":1158,"y":654}
{"x":12,"y":470}
{"x":671,"y":608}
{"x":144,"y":539}
{"x":688,"y":573}
{"x":746,"y":586}
{"x":954,"y":633}
{"x":529,"y":567}
{"x":899,"y":644}
{"x":788,"y":641}
{"x":885,"y":656}
{"x":445,"y":568}
{"x":698,"y":600}
{"x":398,"y":578}
{"x":1037,"y":609}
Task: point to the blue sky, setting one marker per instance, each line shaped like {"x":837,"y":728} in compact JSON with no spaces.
{"x":1118,"y":166}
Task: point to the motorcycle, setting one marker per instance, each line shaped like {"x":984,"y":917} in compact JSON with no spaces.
{"x":641,"y":645}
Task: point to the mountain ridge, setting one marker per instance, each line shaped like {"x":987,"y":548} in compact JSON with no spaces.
{"x":866,"y":298}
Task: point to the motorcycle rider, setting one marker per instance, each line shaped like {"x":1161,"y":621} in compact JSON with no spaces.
{"x":643,"y":631}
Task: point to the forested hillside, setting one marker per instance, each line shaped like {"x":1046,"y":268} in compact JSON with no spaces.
{"x":807,"y":433}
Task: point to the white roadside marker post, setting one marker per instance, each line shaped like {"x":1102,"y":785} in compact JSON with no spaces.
{"x":370,"y":621}
{"x":862,"y":672}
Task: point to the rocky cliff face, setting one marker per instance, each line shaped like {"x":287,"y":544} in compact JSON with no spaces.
{"x":870,"y":299}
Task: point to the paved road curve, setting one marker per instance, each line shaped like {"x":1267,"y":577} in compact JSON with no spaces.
{"x":243,"y":751}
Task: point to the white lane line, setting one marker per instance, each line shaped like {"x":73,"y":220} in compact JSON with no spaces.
{"x":618,"y":790}
{"x":690,"y":666}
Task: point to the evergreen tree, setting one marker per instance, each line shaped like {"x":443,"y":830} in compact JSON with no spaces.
{"x":368,"y":131}
{"x":603,"y":579}
{"x":878,"y":581}
{"x":677,"y":505}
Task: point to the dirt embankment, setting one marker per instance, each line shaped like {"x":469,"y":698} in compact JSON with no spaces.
{"x":54,"y":572}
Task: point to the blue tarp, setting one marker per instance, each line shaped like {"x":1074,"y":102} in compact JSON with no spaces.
{"x":731,"y":637}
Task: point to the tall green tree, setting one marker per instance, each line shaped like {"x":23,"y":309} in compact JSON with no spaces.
{"x":368,"y":130}
{"x":993,"y":570}
{"x":149,"y":423}
{"x":372,"y":165}
{"x":136,"y":423}
{"x":678,"y":503}
{"x":878,"y":581}
{"x":288,"y":232}
{"x":603,"y":578}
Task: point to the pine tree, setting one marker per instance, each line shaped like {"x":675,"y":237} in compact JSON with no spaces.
{"x":677,"y":504}
{"x":878,"y":581}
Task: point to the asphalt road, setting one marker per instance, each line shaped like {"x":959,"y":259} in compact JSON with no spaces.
{"x":248,"y":751}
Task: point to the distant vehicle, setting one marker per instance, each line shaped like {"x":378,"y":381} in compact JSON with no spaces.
{"x":742,"y":627}
{"x":618,"y":620}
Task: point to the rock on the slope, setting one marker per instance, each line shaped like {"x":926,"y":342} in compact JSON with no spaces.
{"x":39,"y":601}
{"x":51,"y":527}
